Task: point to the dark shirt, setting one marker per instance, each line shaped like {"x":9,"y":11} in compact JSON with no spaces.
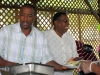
{"x":83,"y":54}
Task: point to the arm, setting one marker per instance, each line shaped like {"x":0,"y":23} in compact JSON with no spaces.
{"x":2,"y":48}
{"x":57,"y":66}
{"x":6,"y":63}
{"x":74,"y":48}
{"x":75,"y":53}
{"x":95,"y":69}
{"x":88,"y":66}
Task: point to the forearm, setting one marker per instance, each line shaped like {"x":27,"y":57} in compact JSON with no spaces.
{"x":96,"y":69}
{"x":57,"y":66}
{"x":5,"y":62}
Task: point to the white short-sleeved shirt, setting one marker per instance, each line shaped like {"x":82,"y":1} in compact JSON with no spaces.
{"x":62,"y":48}
{"x":16,"y":47}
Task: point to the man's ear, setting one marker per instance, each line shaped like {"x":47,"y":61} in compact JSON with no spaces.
{"x":56,"y":22}
{"x":34,"y":18}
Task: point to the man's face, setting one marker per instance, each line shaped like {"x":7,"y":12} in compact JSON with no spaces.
{"x":27,"y":17}
{"x":63,"y":24}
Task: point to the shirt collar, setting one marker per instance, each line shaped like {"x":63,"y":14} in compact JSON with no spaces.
{"x":53,"y":32}
{"x":18,"y":28}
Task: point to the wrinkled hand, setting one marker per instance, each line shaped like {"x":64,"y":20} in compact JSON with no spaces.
{"x":85,"y":65}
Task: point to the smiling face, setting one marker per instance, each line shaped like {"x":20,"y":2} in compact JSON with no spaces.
{"x":62,"y":24}
{"x":27,"y":17}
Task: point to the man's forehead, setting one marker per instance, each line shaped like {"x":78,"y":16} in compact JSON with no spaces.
{"x":26,"y":9}
{"x":64,"y":16}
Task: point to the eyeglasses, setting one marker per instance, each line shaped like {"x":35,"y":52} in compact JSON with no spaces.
{"x":65,"y":21}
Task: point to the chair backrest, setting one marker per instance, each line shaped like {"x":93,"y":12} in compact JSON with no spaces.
{"x":83,"y":54}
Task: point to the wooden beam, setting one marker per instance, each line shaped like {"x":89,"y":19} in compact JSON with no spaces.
{"x":7,"y":6}
{"x":92,"y":11}
{"x":70,"y":11}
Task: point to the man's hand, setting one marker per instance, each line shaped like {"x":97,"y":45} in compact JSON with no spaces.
{"x":10,"y":63}
{"x":86,"y":66}
{"x":57,"y":66}
{"x":6,"y":63}
{"x":64,"y":68}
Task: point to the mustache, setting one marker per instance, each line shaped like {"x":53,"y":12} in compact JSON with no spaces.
{"x":25,"y":22}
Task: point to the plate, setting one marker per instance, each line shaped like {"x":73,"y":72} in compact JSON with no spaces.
{"x":70,"y":65}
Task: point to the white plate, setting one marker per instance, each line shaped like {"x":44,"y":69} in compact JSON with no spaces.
{"x":72,"y":66}
{"x":78,"y":66}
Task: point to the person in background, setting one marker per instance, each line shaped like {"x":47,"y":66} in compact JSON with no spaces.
{"x":83,"y":54}
{"x":88,"y":66}
{"x":99,"y":49}
{"x":22,"y":43}
{"x":62,"y":45}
